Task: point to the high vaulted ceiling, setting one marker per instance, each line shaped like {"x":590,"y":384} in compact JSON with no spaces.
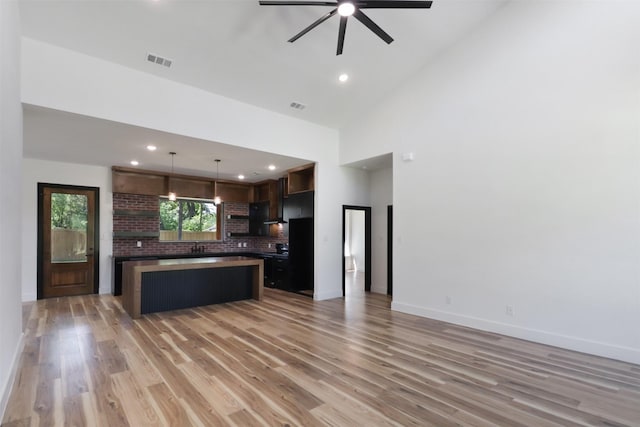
{"x":239,"y":49}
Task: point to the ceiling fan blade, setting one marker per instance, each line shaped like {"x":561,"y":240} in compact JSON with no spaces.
{"x":297,"y":3}
{"x":341,"y":31}
{"x":372,"y":26}
{"x":312,"y":26}
{"x":391,"y":4}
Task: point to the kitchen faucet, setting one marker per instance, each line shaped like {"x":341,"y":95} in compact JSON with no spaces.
{"x":196,"y":248}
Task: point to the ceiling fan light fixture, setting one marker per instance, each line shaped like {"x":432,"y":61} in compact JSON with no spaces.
{"x":346,"y":9}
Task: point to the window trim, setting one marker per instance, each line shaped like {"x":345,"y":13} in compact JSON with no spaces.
{"x":219,"y":220}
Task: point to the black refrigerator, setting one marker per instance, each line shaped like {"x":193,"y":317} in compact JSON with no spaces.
{"x":301,"y":254}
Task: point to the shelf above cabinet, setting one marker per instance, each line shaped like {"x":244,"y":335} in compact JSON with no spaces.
{"x":301,"y":179}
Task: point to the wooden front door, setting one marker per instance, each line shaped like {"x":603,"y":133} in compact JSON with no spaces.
{"x":68,"y":246}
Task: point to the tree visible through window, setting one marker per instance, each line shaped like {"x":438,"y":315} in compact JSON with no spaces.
{"x":187,"y":219}
{"x":68,"y":227}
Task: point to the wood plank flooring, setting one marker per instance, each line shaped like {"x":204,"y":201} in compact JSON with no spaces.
{"x":290,"y":361}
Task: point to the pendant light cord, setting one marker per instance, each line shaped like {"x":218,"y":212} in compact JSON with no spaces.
{"x":172,"y":195}
{"x":216,"y":198}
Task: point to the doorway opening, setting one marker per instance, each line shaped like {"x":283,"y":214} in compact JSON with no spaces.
{"x":68,"y":240}
{"x":356,"y":243}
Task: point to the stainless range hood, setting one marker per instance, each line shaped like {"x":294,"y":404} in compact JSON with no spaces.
{"x":280,"y":218}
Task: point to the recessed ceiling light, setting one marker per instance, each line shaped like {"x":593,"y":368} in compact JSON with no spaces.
{"x":272,"y":167}
{"x":346,"y":9}
{"x":240,"y":176}
{"x":152,"y":147}
{"x":135,"y":162}
{"x":343,"y":77}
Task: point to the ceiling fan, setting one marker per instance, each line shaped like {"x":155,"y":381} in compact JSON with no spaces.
{"x":346,"y":8}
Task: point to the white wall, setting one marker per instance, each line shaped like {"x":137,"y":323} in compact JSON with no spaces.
{"x":525,"y":189}
{"x":61,"y":79}
{"x":381,"y":197}
{"x":329,"y":201}
{"x":40,"y":171}
{"x":10,"y":176}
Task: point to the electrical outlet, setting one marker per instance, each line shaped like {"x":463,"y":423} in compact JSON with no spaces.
{"x":244,"y":244}
{"x":269,"y":245}
{"x":448,"y":299}
{"x":139,"y":244}
{"x":239,"y":244}
{"x":508,"y":310}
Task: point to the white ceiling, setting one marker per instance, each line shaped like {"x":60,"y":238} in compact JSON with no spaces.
{"x":87,"y":140}
{"x":238,"y":49}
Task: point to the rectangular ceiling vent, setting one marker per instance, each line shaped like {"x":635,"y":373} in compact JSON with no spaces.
{"x":152,"y":57}
{"x":297,"y":106}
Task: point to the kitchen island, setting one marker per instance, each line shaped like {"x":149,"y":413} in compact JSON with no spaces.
{"x":171,"y":284}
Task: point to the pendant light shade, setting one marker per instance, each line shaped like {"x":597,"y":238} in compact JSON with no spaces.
{"x":217,"y":200}
{"x":172,"y":194}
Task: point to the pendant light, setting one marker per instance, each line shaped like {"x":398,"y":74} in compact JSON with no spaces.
{"x":172,"y":194}
{"x":217,"y":200}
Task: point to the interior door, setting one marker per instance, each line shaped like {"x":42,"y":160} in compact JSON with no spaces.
{"x":68,"y":245}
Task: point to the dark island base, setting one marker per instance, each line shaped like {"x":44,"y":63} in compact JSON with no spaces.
{"x":160,"y":285}
{"x":280,"y":259}
{"x":175,"y":290}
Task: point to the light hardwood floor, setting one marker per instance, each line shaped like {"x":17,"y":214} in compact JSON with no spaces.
{"x":291,"y":361}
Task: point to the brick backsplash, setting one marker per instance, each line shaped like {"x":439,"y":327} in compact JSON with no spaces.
{"x":126,"y":246}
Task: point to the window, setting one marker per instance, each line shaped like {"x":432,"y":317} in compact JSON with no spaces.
{"x":190,"y":220}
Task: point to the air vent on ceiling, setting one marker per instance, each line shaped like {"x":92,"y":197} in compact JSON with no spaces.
{"x":297,"y":106}
{"x":151,"y":57}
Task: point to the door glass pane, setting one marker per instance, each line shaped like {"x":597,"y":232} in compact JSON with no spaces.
{"x":68,"y":227}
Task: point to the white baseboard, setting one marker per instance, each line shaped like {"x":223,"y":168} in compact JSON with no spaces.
{"x":625,"y":354}
{"x":29,"y":296}
{"x":327,"y":295}
{"x":8,"y":385}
